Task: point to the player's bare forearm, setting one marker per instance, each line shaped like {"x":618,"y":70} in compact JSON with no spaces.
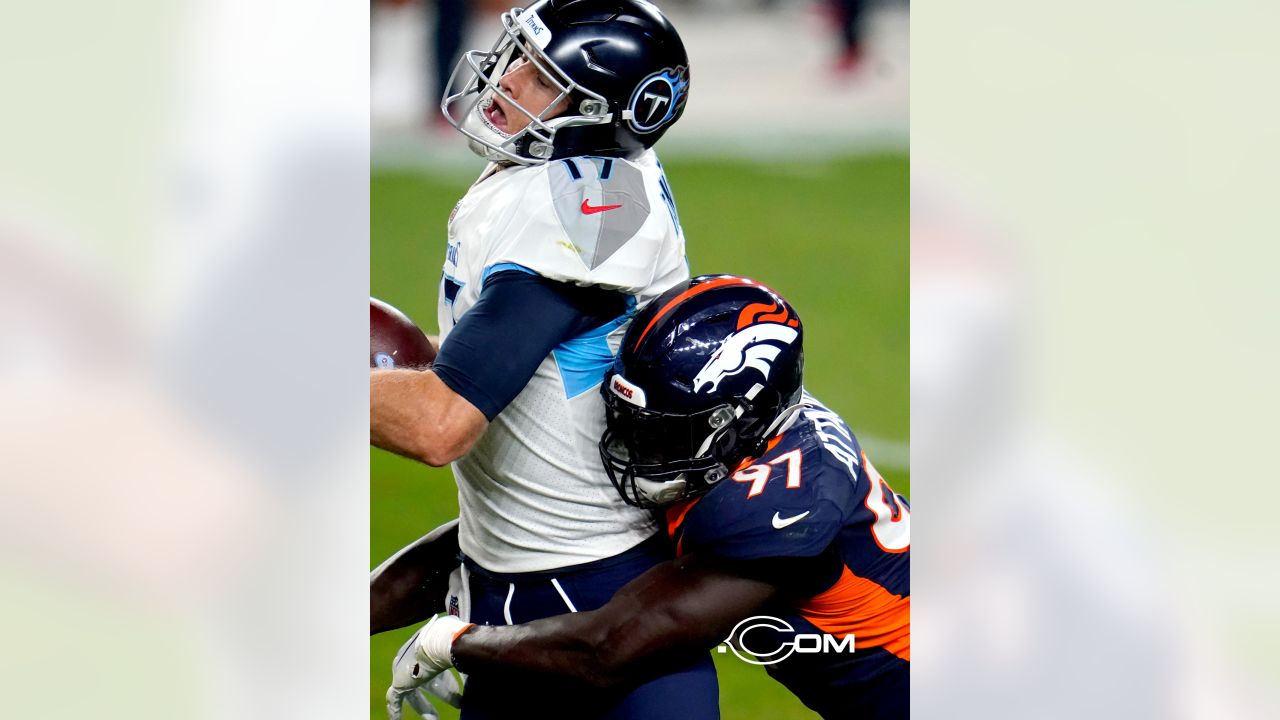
{"x":669,"y":615}
{"x":410,"y":586}
{"x":416,"y":415}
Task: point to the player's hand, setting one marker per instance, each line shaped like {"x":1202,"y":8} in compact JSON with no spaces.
{"x":416,"y":699}
{"x":420,"y":660}
{"x":444,"y":687}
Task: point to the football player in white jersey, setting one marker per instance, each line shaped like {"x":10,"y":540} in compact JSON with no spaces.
{"x":568,"y":231}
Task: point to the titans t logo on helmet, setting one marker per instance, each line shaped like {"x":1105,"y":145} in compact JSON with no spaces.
{"x":620,"y":69}
{"x":657,"y":98}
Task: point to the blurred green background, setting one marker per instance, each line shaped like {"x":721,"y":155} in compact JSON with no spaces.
{"x":830,"y":235}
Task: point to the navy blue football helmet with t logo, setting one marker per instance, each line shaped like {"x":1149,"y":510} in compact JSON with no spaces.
{"x":706,"y":374}
{"x":619,"y":63}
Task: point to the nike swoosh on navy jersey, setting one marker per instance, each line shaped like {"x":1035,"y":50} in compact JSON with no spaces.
{"x":779,"y":523}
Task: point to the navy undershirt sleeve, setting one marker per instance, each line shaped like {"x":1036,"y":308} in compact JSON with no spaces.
{"x":495,"y":348}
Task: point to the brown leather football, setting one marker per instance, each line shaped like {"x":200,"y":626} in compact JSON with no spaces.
{"x":395,"y":341}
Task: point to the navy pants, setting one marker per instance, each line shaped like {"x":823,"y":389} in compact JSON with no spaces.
{"x":688,"y":693}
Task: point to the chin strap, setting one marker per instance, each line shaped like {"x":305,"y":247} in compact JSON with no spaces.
{"x":784,"y":420}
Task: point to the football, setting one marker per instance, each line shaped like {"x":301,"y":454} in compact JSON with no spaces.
{"x":395,"y":341}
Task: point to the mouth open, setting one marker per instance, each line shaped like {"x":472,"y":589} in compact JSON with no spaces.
{"x":495,"y":115}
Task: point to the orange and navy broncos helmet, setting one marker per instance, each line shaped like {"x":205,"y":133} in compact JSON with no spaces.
{"x":704,"y":374}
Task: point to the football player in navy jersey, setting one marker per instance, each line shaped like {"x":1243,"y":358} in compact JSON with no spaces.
{"x":772,"y":507}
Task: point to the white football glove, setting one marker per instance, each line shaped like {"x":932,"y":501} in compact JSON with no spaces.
{"x":422,"y":660}
{"x":444,"y":687}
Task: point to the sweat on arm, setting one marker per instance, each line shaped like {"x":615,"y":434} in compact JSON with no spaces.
{"x":410,"y":586}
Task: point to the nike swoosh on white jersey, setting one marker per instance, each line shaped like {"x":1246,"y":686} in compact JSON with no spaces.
{"x":779,"y":523}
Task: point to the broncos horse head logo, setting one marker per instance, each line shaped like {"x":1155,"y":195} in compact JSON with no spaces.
{"x":750,"y":347}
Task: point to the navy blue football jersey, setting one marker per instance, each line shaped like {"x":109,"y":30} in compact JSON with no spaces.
{"x":814,"y":495}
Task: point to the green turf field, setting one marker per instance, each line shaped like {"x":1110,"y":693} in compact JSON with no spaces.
{"x":831,"y":236}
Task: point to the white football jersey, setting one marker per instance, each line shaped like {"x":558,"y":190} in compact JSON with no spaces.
{"x":533,"y":492}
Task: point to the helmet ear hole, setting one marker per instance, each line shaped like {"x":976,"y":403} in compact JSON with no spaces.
{"x":725,"y":444}
{"x":587,"y":106}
